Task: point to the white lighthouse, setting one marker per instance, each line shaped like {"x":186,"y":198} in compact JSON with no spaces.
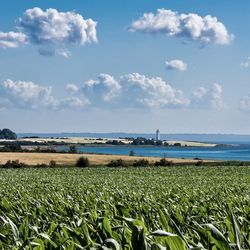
{"x":157,"y":136}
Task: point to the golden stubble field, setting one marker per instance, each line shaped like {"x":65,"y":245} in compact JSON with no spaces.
{"x":70,"y":159}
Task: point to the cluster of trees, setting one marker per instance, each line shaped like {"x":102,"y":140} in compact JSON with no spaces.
{"x":83,"y":162}
{"x":18,"y":164}
{"x":7,"y":134}
{"x":139,"y":163}
{"x":145,"y":141}
{"x":11,"y":147}
{"x":115,"y":142}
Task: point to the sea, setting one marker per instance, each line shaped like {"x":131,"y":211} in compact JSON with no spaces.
{"x":233,"y":147}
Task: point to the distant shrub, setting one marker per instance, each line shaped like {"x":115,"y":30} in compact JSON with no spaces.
{"x":117,"y":163}
{"x":48,"y":150}
{"x":159,"y":143}
{"x":115,"y":142}
{"x":199,"y":163}
{"x":163,"y":163}
{"x":52,"y":164}
{"x":14,"y":164}
{"x":7,"y":134}
{"x":82,"y":162}
{"x":42,"y":165}
{"x":141,"y":163}
{"x":72,"y":149}
{"x":11,"y":147}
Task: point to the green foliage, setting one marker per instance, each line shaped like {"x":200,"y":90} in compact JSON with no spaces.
{"x":115,"y":142}
{"x":117,"y":163}
{"x":14,"y":164}
{"x":143,"y":141}
{"x":72,"y":149}
{"x":199,"y":163}
{"x":52,"y":164}
{"x":173,"y":208}
{"x":82,"y":162}
{"x":141,"y":163}
{"x":11,"y":147}
{"x":163,"y":163}
{"x":7,"y":134}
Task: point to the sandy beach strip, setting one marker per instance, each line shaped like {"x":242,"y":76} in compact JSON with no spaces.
{"x":70,"y":159}
{"x":81,"y":140}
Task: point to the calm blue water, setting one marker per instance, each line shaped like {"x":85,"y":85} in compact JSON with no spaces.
{"x":240,"y":152}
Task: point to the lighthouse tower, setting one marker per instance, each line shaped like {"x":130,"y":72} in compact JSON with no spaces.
{"x":157,"y":136}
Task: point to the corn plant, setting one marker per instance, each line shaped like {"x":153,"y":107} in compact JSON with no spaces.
{"x":129,"y":208}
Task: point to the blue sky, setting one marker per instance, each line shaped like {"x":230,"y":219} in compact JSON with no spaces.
{"x":122,"y":82}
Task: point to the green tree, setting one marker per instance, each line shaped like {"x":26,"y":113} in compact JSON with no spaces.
{"x":72,"y":149}
{"x":82,"y":162}
{"x":7,"y":134}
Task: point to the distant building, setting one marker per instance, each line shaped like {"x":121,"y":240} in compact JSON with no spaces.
{"x":157,"y":136}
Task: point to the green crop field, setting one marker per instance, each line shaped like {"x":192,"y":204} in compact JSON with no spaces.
{"x":148,"y":208}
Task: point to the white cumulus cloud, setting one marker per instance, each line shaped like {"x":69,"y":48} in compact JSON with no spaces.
{"x":131,"y":91}
{"x":191,"y":26}
{"x":54,"y":27}
{"x":72,"y":88}
{"x":176,"y":64}
{"x":104,"y":89}
{"x":140,"y":91}
{"x":151,"y":92}
{"x":208,"y":97}
{"x":29,"y":95}
{"x":26,"y":94}
{"x":12,"y":39}
{"x":53,"y":31}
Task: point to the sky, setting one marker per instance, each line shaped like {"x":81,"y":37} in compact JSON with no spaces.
{"x":182,"y":66}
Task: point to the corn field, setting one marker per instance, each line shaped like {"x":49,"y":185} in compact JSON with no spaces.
{"x":132,"y":208}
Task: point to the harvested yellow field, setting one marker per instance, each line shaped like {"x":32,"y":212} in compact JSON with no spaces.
{"x":70,"y":159}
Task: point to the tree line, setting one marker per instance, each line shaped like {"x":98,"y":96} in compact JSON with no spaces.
{"x":7,"y":134}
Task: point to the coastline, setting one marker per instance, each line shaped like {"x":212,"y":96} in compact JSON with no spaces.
{"x":103,"y":141}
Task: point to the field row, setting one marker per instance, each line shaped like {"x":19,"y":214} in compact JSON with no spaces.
{"x":148,"y":208}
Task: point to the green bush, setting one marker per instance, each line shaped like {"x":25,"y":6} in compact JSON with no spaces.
{"x":73,"y":149}
{"x":14,"y":164}
{"x":141,"y":163}
{"x":52,"y":164}
{"x":82,"y":162}
{"x":117,"y":163}
{"x":199,"y":163}
{"x":41,"y":165}
{"x":163,"y":163}
{"x":7,"y":134}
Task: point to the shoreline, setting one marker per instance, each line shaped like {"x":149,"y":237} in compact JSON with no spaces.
{"x":89,"y":141}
